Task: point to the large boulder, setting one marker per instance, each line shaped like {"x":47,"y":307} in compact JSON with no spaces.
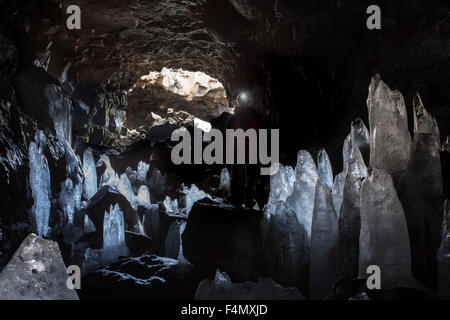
{"x":36,"y":272}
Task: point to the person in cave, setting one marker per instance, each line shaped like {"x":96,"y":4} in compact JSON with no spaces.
{"x":244,"y":177}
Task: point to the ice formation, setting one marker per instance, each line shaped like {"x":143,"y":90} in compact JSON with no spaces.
{"x":349,"y":221}
{"x":421,"y":192}
{"x":389,"y":136}
{"x":143,"y":197}
{"x":324,"y":169}
{"x":384,"y":239}
{"x":90,"y":174}
{"x":324,"y":244}
{"x":301,"y":201}
{"x":70,"y":199}
{"x":173,"y":245}
{"x":338,"y":192}
{"x":287,"y":247}
{"x":40,"y":188}
{"x":194,"y":194}
{"x":443,"y":257}
{"x":109,"y":176}
{"x":225,"y":181}
{"x":360,"y":137}
{"x":60,"y":110}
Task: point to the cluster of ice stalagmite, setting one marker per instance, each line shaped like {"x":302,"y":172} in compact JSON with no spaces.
{"x":384,"y":239}
{"x":194,"y":194}
{"x":123,"y":183}
{"x":385,"y":215}
{"x":40,"y":187}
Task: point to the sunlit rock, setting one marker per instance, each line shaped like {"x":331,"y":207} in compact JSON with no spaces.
{"x":389,"y":136}
{"x":60,"y":110}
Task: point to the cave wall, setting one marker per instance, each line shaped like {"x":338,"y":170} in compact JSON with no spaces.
{"x":307,"y":64}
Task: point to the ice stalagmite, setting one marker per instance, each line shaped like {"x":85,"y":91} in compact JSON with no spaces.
{"x":384,"y":239}
{"x":171,"y":205}
{"x":109,"y":177}
{"x":194,"y":194}
{"x":173,"y":244}
{"x":60,"y":110}
{"x":280,"y":188}
{"x":349,"y":219}
{"x":389,"y":136}
{"x":90,"y":174}
{"x":324,"y":169}
{"x":443,"y":256}
{"x":324,"y":244}
{"x":142,"y":170}
{"x":143,"y":197}
{"x":290,"y":175}
{"x":69,"y":199}
{"x":421,"y":193}
{"x":346,"y":152}
{"x":301,"y":201}
{"x":424,"y":122}
{"x":40,"y":188}
{"x":225,"y":179}
{"x":287,"y":248}
{"x":360,"y":138}
{"x":114,"y":233}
